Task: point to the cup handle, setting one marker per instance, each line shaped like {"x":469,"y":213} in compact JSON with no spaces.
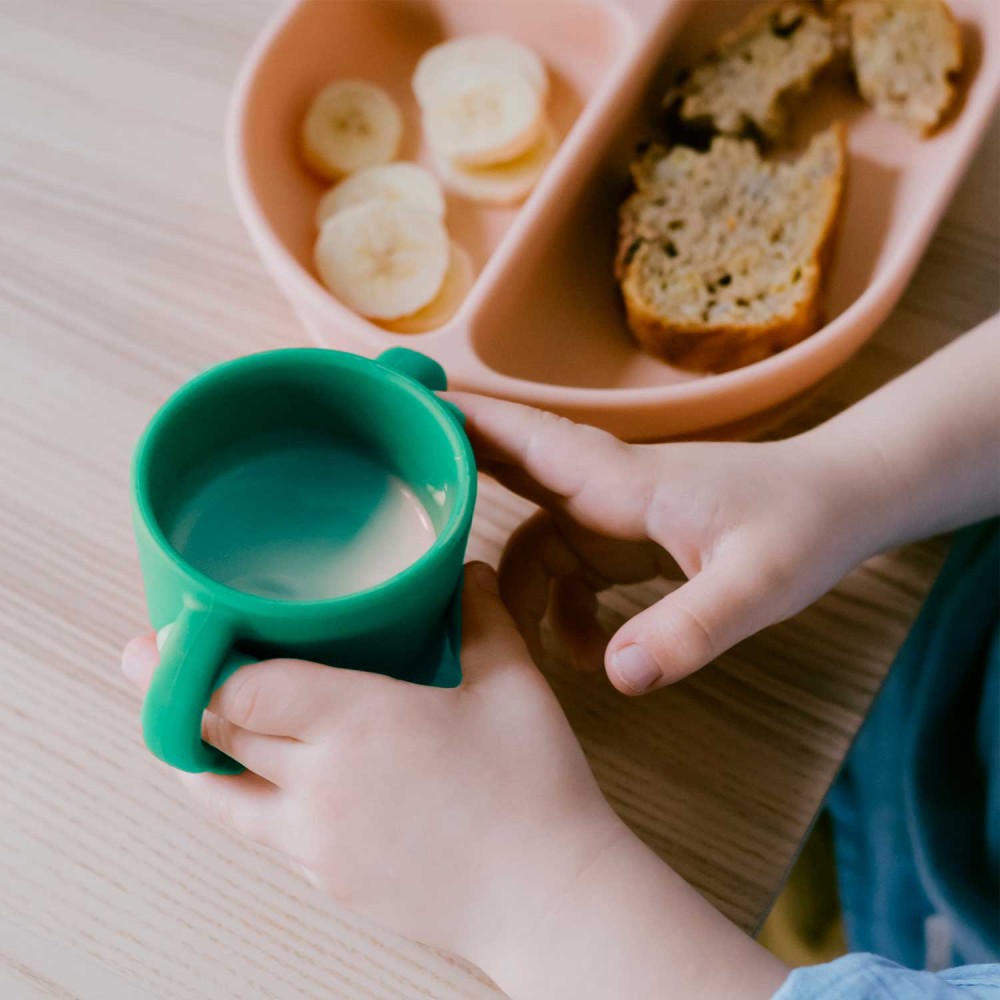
{"x":195,"y":650}
{"x":415,"y":365}
{"x":421,"y":369}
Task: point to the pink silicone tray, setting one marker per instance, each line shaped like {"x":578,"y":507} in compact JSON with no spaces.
{"x":543,"y":323}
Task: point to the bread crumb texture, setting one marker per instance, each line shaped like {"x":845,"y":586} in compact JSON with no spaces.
{"x":721,"y":253}
{"x":744,"y":85}
{"x":907,"y":55}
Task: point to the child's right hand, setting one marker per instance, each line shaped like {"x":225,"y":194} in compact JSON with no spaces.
{"x":759,"y":530}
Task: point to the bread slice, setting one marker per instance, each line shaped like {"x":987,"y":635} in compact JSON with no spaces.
{"x":722,"y":254}
{"x":906,"y":54}
{"x":742,"y":88}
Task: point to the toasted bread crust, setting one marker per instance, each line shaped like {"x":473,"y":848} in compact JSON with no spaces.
{"x":719,"y":347}
{"x":907,"y":55}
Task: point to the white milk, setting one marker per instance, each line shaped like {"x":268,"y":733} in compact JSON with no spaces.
{"x":300,"y":518}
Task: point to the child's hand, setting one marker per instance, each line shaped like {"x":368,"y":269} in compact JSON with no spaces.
{"x":465,"y":818}
{"x":453,"y":816}
{"x":759,"y":530}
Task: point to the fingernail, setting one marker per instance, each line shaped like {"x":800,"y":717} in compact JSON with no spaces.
{"x":130,"y":663}
{"x":635,"y":668}
{"x":138,"y":659}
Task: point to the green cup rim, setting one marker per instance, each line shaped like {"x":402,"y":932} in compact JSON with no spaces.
{"x":454,"y":528}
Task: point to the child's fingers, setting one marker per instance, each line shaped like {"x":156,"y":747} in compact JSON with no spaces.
{"x":491,"y":644}
{"x":291,"y":698}
{"x":536,"y":554}
{"x":272,"y":757}
{"x":687,"y":629}
{"x":264,"y":755}
{"x":574,"y":620}
{"x":518,"y":481}
{"x":584,"y":470}
{"x":246,"y":803}
{"x":280,"y":698}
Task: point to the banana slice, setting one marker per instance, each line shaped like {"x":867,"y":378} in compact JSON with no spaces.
{"x":480,"y":115}
{"x":502,"y":183}
{"x":407,"y":183}
{"x":457,"y":282}
{"x":383,"y":259}
{"x":349,"y":125}
{"x":477,"y":50}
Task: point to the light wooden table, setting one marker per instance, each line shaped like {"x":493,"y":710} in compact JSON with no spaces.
{"x":123,"y":271}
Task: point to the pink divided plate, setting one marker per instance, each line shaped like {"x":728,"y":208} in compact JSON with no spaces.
{"x":543,"y":323}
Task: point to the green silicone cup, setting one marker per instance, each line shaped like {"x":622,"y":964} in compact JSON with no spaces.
{"x":406,"y":627}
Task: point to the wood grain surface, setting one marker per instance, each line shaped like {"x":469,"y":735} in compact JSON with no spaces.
{"x":123,"y":271}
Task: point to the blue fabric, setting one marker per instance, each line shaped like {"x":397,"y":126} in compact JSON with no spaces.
{"x":915,"y":810}
{"x":868,"y":977}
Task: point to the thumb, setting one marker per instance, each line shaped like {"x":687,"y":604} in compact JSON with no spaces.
{"x":491,"y":643}
{"x":686,"y":629}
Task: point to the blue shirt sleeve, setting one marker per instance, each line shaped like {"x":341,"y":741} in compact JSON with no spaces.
{"x":868,"y":977}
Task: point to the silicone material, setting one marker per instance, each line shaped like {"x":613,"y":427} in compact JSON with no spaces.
{"x":407,"y":627}
{"x":198,"y":642}
{"x":543,"y":322}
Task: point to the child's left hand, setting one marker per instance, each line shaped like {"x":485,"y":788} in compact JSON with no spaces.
{"x":453,"y":816}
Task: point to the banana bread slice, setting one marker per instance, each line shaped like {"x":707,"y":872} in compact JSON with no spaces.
{"x":743,"y":86}
{"x":907,"y":55}
{"x":722,"y":254}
